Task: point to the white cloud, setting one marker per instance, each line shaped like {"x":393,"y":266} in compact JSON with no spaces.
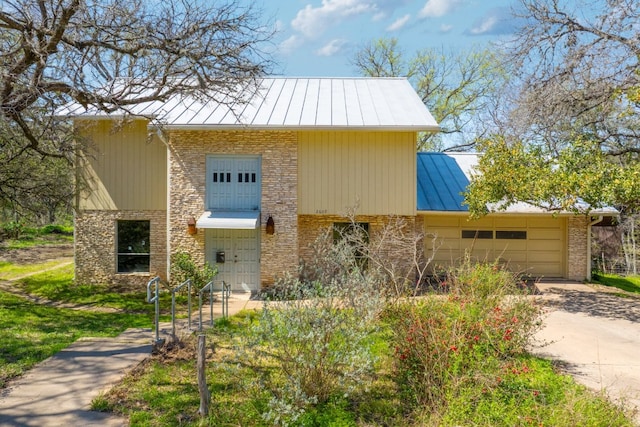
{"x":290,"y":44}
{"x":445,"y":28}
{"x":333,"y":47}
{"x":399,"y":23}
{"x":484,"y":26}
{"x":437,"y":8}
{"x":379,"y":16}
{"x":312,"y":21}
{"x":496,"y":21}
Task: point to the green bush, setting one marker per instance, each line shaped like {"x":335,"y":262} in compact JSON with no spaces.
{"x":57,"y":229}
{"x":13,"y":229}
{"x":443,"y":342}
{"x":183,"y":267}
{"x":321,"y":344}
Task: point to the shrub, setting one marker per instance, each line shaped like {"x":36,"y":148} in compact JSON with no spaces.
{"x":392,"y":259}
{"x":445,"y":341}
{"x":320,"y":342}
{"x":13,"y":229}
{"x":183,"y":267}
{"x":57,"y":229}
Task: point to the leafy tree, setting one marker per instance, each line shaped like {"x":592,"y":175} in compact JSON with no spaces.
{"x":578,"y":178}
{"x":457,"y":87}
{"x":33,"y":188}
{"x":569,"y":138}
{"x":573,"y":129}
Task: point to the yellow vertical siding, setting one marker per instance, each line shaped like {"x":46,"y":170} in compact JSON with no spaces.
{"x":542,"y":253}
{"x":123,"y":169}
{"x":339,"y":169}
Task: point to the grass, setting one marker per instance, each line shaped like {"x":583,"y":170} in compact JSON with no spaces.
{"x":528,"y":391}
{"x":628,"y":284}
{"x":9,"y":271}
{"x":30,"y":241}
{"x":30,"y":237}
{"x":32,"y":332}
{"x":58,"y":285}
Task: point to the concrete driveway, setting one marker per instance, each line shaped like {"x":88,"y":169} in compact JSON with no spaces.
{"x":596,"y":334}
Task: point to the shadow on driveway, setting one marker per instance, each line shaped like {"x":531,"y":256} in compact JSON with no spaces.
{"x":596,"y":303}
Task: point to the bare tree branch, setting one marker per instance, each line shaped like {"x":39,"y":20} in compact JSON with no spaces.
{"x":114,"y":54}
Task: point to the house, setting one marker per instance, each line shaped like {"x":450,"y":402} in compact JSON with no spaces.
{"x":248,"y":187}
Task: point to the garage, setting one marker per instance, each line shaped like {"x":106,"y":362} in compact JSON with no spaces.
{"x":535,"y":245}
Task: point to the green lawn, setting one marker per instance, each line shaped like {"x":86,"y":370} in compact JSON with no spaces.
{"x":58,"y":285}
{"x":47,"y":235}
{"x":628,"y":283}
{"x":9,"y":271}
{"x":34,"y":332}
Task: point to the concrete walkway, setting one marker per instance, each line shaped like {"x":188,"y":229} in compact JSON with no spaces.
{"x":59,"y":391}
{"x":595,"y":334}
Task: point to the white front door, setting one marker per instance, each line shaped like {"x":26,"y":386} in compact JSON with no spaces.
{"x":234,"y":184}
{"x":241,"y":263}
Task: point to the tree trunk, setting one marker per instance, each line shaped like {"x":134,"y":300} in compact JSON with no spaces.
{"x":205,"y":396}
{"x":633,"y":245}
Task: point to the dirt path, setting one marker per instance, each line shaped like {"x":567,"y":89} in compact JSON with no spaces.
{"x":36,"y":254}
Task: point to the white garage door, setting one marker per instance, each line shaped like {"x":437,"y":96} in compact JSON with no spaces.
{"x":525,"y":244}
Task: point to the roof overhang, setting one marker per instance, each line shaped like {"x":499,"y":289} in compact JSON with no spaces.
{"x":602,"y":212}
{"x":407,"y":128}
{"x":234,"y":220}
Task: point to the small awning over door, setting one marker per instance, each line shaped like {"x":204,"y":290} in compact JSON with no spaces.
{"x":237,"y":220}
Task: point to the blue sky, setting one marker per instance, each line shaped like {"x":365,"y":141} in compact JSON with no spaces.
{"x":319,"y":37}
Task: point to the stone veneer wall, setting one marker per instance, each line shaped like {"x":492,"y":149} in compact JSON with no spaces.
{"x":187,"y":169}
{"x":95,"y":247}
{"x":577,"y":247}
{"x":313,"y":226}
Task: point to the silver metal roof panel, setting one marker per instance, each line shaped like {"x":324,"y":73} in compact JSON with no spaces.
{"x":285,"y":103}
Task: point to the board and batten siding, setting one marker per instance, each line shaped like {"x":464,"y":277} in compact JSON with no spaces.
{"x":124,"y":170}
{"x":338,"y":170}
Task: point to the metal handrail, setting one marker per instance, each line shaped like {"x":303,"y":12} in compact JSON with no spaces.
{"x":156,"y":300}
{"x":226,"y":294}
{"x":187,"y":283}
{"x":209,"y":287}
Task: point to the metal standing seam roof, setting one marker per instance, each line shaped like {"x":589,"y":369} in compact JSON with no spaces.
{"x":285,"y":103}
{"x":441,"y":182}
{"x":442,"y":178}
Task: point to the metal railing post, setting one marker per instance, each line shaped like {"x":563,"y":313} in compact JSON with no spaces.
{"x":156,"y":301}
{"x":226,"y":294}
{"x":173,"y":305}
{"x":209,"y":287}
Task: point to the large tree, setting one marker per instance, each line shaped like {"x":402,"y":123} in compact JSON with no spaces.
{"x":576,"y":110}
{"x":110,"y":55}
{"x":570,"y":135}
{"x":458,"y":87}
{"x":579,"y":72}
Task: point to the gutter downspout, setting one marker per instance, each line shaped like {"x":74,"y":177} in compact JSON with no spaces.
{"x":592,"y":223}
